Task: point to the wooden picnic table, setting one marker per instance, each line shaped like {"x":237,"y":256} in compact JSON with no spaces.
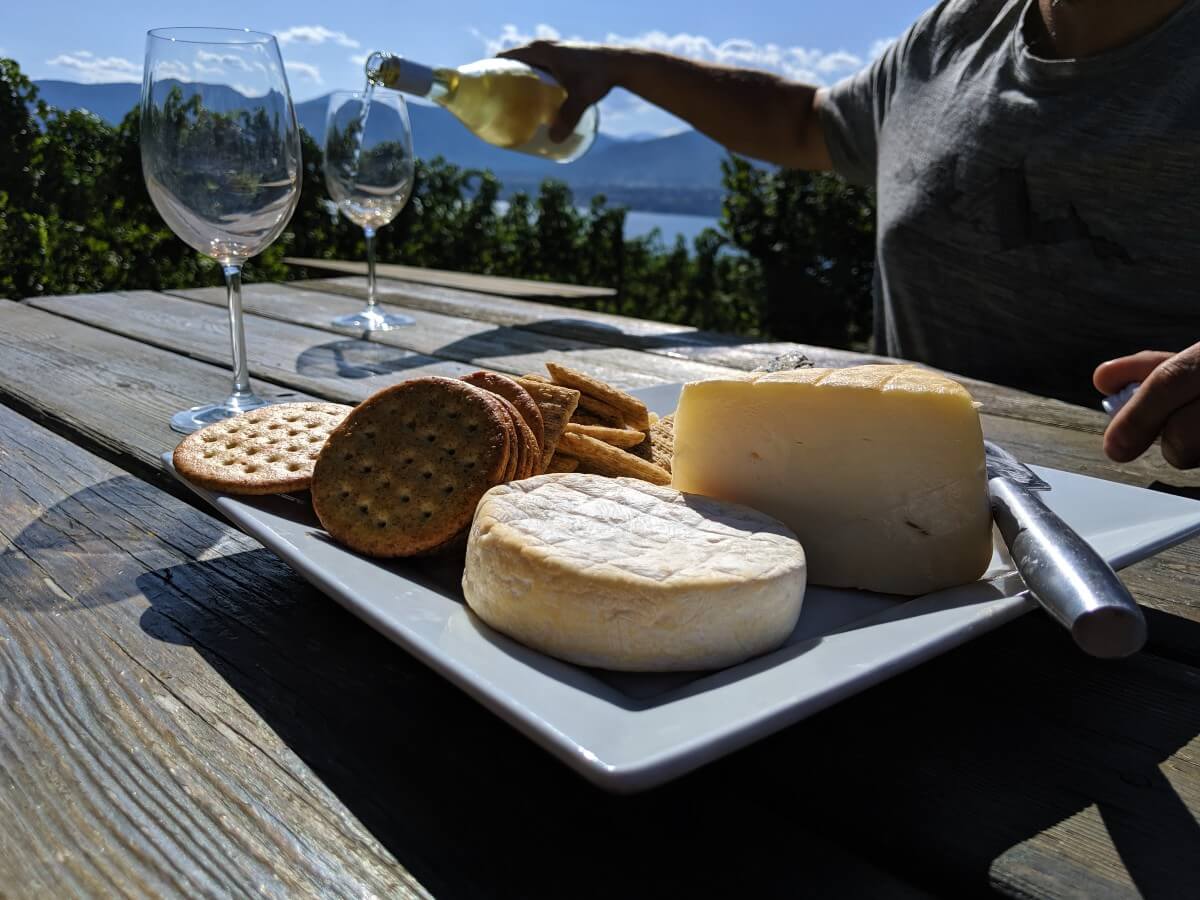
{"x":182,"y":714}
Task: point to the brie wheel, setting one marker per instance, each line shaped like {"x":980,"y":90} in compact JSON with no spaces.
{"x":622,"y":574}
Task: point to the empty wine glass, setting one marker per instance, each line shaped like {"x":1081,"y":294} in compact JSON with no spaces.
{"x":221,"y":159}
{"x":369,"y":175}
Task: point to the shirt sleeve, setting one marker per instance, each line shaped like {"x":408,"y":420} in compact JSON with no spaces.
{"x":852,"y":112}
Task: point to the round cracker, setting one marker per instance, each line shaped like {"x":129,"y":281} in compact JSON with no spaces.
{"x":270,"y":450}
{"x":510,"y":417}
{"x":403,"y":473}
{"x":527,"y":444}
{"x":510,"y":389}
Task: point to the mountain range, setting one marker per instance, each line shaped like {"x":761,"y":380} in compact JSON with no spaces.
{"x":680,"y":173}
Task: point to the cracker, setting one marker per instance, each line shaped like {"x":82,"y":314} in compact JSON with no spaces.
{"x":601,"y":459}
{"x":563,"y":463}
{"x":557,"y":405}
{"x":271,"y":450}
{"x":403,"y":473}
{"x":633,"y":411}
{"x":662,"y":441}
{"x":601,"y":412}
{"x":510,"y":417}
{"x":510,"y":390}
{"x":618,"y":437}
{"x":528,"y":454}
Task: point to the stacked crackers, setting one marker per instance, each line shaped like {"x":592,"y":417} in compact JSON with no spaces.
{"x":610,"y":432}
{"x":402,"y":473}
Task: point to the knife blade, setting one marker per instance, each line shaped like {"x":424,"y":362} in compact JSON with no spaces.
{"x":1062,"y":571}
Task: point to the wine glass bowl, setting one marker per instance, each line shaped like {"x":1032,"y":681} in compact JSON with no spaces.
{"x":369,"y":173}
{"x":220,"y":153}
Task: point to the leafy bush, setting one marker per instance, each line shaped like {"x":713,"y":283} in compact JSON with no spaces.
{"x":793,"y":258}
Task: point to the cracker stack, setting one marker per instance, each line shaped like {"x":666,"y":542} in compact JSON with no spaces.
{"x":608,"y":432}
{"x":403,"y":473}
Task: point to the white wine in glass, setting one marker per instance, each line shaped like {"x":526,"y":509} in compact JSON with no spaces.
{"x":221,"y":159}
{"x":369,"y":175}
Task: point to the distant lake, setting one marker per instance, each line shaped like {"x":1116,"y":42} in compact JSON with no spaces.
{"x":639,"y":223}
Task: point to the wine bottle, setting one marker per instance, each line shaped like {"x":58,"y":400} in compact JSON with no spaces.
{"x":505,"y":102}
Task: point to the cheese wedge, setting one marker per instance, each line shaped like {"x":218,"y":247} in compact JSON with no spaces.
{"x":622,"y":574}
{"x":879,"y":470}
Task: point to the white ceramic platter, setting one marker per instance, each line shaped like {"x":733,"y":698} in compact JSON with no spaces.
{"x":630,"y":732}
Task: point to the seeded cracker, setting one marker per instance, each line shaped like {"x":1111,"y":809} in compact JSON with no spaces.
{"x":599,"y":458}
{"x":632,"y":410}
{"x":271,"y":450}
{"x":403,"y":473}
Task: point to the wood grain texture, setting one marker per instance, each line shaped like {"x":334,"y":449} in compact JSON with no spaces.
{"x":484,"y":284}
{"x":130,"y":767}
{"x":111,"y":392}
{"x":183,"y":716}
{"x":685,"y":342}
{"x":338,"y":367}
{"x":466,"y":340}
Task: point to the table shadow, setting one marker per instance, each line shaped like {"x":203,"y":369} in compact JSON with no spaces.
{"x":1028,"y":730}
{"x":352,"y":358}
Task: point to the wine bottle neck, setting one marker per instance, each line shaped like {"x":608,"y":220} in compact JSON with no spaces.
{"x":410,"y":77}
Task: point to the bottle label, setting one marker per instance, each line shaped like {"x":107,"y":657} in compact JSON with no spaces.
{"x":410,"y":77}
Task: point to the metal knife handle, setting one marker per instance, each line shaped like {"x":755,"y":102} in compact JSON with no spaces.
{"x":1067,"y":576}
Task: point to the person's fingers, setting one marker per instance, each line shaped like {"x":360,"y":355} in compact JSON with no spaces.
{"x":568,"y":117}
{"x":1172,"y":385}
{"x":1181,"y":437}
{"x":1113,"y":375}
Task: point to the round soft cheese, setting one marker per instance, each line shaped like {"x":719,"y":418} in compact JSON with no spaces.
{"x":622,"y":574}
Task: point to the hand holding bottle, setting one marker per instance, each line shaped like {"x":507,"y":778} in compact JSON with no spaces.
{"x":585,"y":72}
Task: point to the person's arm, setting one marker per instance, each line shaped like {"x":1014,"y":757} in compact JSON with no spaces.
{"x":1167,"y":405}
{"x":752,"y":113}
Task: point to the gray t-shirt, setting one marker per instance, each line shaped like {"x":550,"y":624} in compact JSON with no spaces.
{"x":1035,"y":217}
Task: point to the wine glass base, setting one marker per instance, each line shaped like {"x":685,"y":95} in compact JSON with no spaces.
{"x":372,"y":320}
{"x":188,"y":420}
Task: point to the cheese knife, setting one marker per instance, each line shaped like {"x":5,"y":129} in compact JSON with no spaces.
{"x":1066,"y":576}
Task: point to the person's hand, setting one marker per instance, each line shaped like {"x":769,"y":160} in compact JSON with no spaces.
{"x":1167,"y":405}
{"x":586,"y":72}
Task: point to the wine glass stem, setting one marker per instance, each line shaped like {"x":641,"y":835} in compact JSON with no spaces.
{"x":237,"y":332}
{"x":369,"y":233}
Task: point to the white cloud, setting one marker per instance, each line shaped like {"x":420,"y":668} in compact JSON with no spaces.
{"x":304,"y":70}
{"x":92,"y":69}
{"x":800,"y":63}
{"x":359,"y":59}
{"x":314,"y":34}
{"x":878,"y":46}
{"x":210,"y":63}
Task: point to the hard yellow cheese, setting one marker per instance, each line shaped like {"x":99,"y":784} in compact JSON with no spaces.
{"x":877,"y":469}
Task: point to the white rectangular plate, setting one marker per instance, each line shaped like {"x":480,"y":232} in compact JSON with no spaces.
{"x":629,"y":732}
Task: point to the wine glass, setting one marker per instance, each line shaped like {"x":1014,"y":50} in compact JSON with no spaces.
{"x":369,"y":175}
{"x":221,"y":159}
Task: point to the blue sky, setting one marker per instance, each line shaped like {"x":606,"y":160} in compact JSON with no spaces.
{"x":323,"y":43}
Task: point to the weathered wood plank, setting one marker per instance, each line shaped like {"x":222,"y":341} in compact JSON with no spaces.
{"x":685,"y":342}
{"x":467,"y":340}
{"x":129,"y":766}
{"x":484,"y":284}
{"x":109,"y":391}
{"x":184,"y":716}
{"x":342,"y":368}
{"x":1014,"y":764}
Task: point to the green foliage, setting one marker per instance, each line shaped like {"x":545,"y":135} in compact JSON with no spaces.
{"x":793,"y":258}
